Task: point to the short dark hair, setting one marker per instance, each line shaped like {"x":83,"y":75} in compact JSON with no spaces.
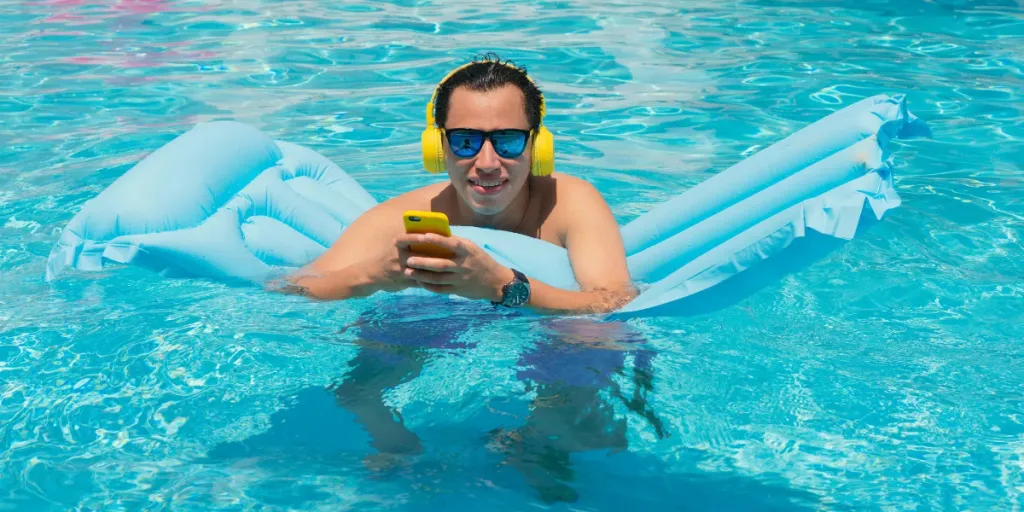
{"x":487,"y":73}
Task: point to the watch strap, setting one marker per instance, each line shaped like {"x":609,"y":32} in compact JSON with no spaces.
{"x":519,"y":283}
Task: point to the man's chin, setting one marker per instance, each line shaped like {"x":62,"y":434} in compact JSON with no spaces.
{"x":487,"y":205}
{"x":488,"y":209}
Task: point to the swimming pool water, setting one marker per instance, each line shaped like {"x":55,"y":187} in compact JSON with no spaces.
{"x":886,"y":375}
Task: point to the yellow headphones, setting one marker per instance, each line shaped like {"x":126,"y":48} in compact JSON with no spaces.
{"x":542,"y":157}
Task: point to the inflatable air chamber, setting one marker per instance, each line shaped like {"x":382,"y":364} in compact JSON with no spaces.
{"x":225,"y":201}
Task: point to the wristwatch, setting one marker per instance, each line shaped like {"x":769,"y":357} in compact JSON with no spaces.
{"x":516,"y":292}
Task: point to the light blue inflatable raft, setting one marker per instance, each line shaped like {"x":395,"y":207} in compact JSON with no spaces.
{"x":224,"y":201}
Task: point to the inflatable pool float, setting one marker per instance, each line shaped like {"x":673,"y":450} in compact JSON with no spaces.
{"x":225,"y":201}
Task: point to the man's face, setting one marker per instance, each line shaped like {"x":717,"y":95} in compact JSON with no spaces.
{"x":487,"y":182}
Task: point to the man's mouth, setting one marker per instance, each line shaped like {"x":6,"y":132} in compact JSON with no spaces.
{"x":487,"y":187}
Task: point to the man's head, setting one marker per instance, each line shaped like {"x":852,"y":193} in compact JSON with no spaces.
{"x":489,"y":113}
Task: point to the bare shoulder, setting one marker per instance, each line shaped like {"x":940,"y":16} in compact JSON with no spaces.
{"x":569,"y":204}
{"x":576,"y":197}
{"x":572,"y":184}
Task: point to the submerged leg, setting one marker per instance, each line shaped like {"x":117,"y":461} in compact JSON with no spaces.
{"x":375,"y":369}
{"x":569,"y":415}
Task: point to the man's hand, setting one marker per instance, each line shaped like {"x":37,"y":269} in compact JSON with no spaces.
{"x":380,"y":270}
{"x":471,"y":273}
{"x":388,"y":270}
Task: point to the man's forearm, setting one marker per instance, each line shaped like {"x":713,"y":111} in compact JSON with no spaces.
{"x":349,"y":282}
{"x":549,"y":299}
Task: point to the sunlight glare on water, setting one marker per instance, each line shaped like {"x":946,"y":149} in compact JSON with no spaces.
{"x":883,"y":376}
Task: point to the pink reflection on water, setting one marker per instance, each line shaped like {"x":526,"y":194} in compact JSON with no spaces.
{"x":76,"y":33}
{"x":127,"y":11}
{"x":123,"y":50}
{"x":150,"y":59}
{"x":123,"y":13}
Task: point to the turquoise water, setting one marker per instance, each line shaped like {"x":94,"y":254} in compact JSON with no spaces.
{"x":885,"y":375}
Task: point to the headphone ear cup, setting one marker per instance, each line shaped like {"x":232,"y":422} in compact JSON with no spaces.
{"x":543,"y":154}
{"x":433,"y":151}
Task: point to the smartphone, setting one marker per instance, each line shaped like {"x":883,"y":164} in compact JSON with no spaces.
{"x":428,"y":222}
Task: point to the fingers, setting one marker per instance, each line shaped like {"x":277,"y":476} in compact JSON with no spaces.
{"x":403,"y":258}
{"x":452,"y":243}
{"x":431,"y":264}
{"x":426,"y":277}
{"x":402,"y":242}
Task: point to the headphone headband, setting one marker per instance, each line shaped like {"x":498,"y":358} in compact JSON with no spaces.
{"x":543,"y":153}
{"x":432,"y":121}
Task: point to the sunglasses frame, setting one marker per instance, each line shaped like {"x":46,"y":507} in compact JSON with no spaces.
{"x":488,"y":136}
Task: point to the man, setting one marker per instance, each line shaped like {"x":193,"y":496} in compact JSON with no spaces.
{"x":498,"y":157}
{"x":485,"y":130}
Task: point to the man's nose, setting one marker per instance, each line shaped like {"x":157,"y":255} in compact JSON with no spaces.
{"x":487,"y":159}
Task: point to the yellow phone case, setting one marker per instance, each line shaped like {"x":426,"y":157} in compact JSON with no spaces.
{"x":428,"y":222}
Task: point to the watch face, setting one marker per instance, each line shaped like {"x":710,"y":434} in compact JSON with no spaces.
{"x":518,"y":293}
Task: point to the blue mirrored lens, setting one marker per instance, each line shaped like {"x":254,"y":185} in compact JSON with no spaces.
{"x":466,"y":143}
{"x":509,"y":144}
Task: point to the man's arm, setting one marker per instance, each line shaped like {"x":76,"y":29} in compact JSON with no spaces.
{"x":597,"y":256}
{"x":546,"y":298}
{"x":351,"y":266}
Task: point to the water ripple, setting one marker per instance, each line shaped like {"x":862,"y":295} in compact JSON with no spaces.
{"x":884,"y":375}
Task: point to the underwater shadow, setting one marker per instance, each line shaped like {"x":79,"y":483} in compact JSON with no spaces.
{"x":313,"y":438}
{"x":635,"y":479}
{"x":567,"y":446}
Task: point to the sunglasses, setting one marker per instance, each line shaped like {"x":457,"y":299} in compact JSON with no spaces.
{"x":508,"y":143}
